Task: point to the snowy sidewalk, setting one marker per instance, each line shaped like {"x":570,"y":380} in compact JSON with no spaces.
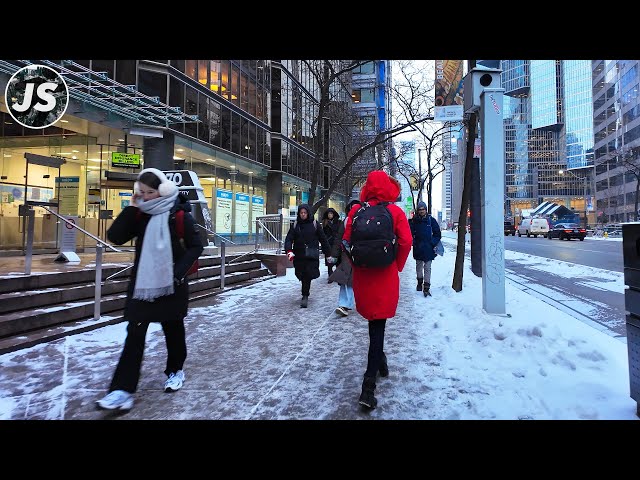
{"x":253,"y":353}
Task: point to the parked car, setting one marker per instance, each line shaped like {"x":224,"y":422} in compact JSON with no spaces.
{"x":533,"y":226}
{"x":567,"y":231}
{"x":509,"y":228}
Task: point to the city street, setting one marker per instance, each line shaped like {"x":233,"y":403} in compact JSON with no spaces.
{"x":537,"y":266}
{"x":606,"y":254}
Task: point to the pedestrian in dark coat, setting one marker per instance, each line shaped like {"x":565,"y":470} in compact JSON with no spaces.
{"x":158,"y":289}
{"x":330,"y":224}
{"x":343,"y":274}
{"x":377,"y":290}
{"x":426,"y":235}
{"x":301,"y":245}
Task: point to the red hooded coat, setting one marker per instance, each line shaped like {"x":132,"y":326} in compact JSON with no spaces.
{"x":376,"y":290}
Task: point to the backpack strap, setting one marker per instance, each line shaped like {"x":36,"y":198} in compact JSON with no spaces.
{"x":180,"y":223}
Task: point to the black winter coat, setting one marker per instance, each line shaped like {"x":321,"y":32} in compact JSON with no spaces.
{"x":303,"y":234}
{"x":343,"y":274}
{"x":132,"y":223}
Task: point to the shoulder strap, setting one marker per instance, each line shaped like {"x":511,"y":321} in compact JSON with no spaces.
{"x":180,"y":223}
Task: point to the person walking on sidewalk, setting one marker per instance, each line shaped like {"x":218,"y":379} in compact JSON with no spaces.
{"x":376,"y":289}
{"x":343,"y":273}
{"x":158,"y":290}
{"x":330,"y":225}
{"x":426,"y":235}
{"x":302,"y":249}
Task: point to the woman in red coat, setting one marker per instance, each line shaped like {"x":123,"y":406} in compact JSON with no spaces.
{"x":376,"y":290}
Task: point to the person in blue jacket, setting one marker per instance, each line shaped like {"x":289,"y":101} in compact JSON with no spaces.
{"x":426,"y":235}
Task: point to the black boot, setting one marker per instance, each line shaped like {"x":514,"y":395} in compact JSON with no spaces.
{"x":425,"y":290}
{"x":419,"y":287}
{"x":305,"y":300}
{"x":384,"y":367}
{"x":366,"y":397}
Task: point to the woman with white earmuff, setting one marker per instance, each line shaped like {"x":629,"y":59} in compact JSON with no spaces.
{"x":158,"y":290}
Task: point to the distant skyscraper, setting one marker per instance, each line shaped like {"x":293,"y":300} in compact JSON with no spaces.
{"x":548,"y":128}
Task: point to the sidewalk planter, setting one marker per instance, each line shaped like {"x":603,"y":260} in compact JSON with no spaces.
{"x":631,"y":255}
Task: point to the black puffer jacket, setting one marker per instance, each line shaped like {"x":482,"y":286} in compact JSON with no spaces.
{"x":330,"y":227}
{"x":306,"y":233}
{"x":132,"y":223}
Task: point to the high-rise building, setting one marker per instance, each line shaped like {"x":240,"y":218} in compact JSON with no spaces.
{"x":371,"y":83}
{"x":616,"y":121}
{"x":408,"y":150}
{"x":548,"y":133}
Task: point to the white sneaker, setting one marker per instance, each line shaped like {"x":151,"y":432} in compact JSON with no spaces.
{"x":174,"y":382}
{"x":116,"y":400}
{"x":342,"y":311}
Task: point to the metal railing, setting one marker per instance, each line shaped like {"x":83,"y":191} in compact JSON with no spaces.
{"x":269,"y":232}
{"x":100,"y":246}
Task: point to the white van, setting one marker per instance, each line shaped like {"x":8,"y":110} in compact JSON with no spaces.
{"x":533,"y":226}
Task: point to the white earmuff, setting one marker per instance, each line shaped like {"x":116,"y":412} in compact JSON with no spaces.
{"x":166,"y":187}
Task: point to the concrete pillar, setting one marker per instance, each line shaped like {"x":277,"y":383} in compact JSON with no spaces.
{"x":274,"y":192}
{"x":158,"y":152}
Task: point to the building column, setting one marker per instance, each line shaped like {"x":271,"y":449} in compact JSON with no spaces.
{"x":274,"y":192}
{"x":158,"y":152}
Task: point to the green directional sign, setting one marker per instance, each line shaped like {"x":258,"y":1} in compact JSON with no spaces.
{"x":125,"y":159}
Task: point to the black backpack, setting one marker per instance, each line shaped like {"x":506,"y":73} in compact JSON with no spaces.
{"x":373,"y":241}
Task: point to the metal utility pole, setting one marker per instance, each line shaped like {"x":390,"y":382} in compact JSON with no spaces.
{"x":419,"y":178}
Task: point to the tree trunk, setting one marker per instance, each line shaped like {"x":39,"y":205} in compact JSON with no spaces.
{"x":466,"y":194}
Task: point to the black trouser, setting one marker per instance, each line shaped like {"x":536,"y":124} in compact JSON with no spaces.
{"x":306,"y":286}
{"x":330,"y":269}
{"x":376,"y":344}
{"x":127,"y":372}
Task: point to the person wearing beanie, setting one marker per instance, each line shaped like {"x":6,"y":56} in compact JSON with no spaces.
{"x":426,"y":235}
{"x":158,"y":290}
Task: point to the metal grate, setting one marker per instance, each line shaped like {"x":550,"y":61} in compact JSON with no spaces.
{"x":97,"y":89}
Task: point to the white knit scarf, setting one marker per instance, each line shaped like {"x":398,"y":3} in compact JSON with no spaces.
{"x":155,"y":268}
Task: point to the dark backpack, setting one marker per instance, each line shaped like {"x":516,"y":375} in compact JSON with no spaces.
{"x":373,"y":241}
{"x":179,"y":216}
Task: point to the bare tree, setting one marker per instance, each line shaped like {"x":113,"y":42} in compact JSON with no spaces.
{"x":458,"y":271}
{"x":628,"y":160}
{"x":333,"y":79}
{"x":414,"y":93}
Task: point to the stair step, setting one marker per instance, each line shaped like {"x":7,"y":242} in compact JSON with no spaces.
{"x":56,"y":295}
{"x":30,"y":339}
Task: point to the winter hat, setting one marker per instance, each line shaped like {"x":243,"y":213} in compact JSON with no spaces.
{"x":421,"y":205}
{"x":166,"y":187}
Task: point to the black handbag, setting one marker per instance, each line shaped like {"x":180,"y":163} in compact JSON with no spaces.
{"x":311,"y":252}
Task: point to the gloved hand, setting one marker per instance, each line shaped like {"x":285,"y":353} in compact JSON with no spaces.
{"x":346,"y":245}
{"x":331,"y":260}
{"x":290,"y":255}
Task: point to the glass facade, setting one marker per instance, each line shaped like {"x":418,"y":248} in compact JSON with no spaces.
{"x":545,"y":105}
{"x":547,"y":121}
{"x":578,"y":113}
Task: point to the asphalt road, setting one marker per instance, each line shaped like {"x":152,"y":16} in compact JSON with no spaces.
{"x":606,"y":254}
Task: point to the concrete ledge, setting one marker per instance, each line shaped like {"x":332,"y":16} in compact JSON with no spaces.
{"x":277,"y":263}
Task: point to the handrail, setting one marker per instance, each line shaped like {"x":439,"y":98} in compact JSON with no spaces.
{"x":267,"y":230}
{"x":214,"y":233}
{"x":118,"y":273}
{"x":240,"y":256}
{"x":97,"y":239}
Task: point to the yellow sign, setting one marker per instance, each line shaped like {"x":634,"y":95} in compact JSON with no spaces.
{"x":125,"y":159}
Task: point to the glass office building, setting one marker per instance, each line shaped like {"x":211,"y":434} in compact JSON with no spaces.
{"x":243,"y":126}
{"x":547,"y":112}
